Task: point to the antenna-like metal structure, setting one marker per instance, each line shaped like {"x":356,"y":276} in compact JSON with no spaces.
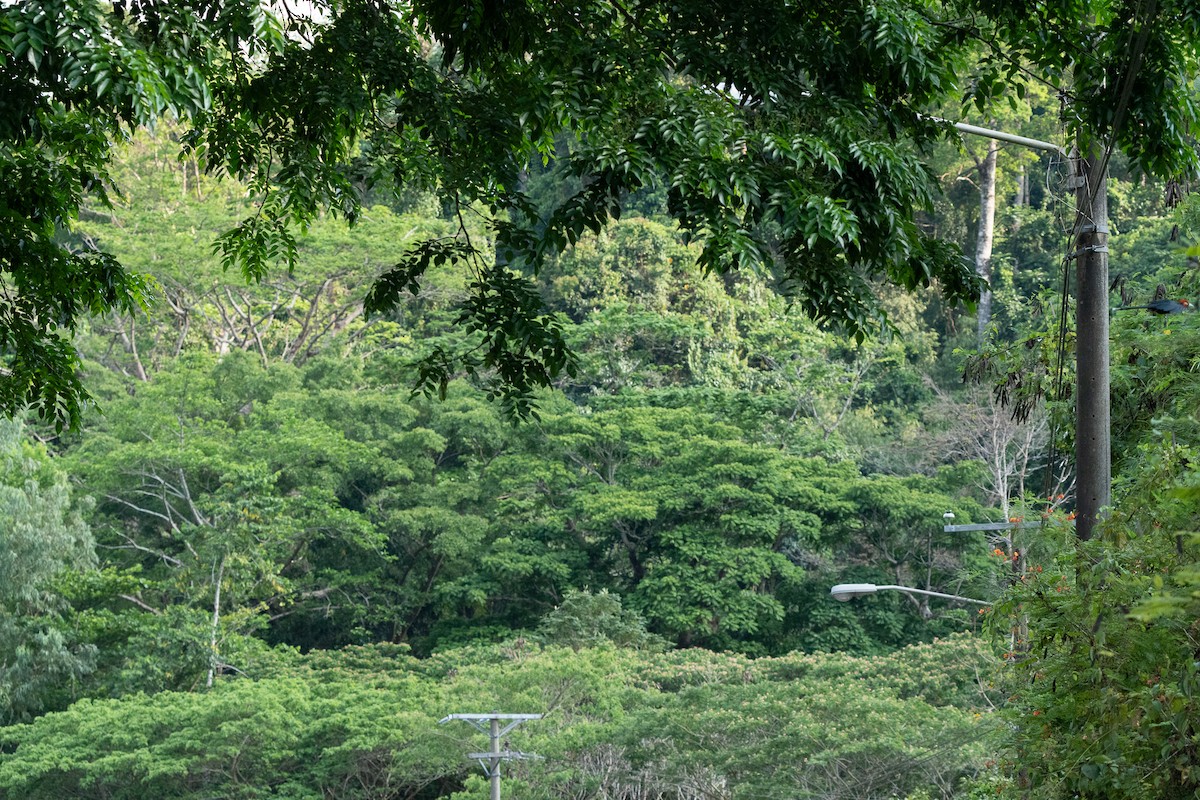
{"x":490,"y":761}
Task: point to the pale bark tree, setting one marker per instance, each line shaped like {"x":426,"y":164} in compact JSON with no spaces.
{"x":986,"y":233}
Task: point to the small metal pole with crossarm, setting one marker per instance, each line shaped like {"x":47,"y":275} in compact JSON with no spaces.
{"x":490,"y":761}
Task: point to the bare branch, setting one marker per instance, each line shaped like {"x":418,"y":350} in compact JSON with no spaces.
{"x":197,"y":517}
{"x":137,"y":601}
{"x":253,"y":329}
{"x":131,"y":544}
{"x":143,"y":510}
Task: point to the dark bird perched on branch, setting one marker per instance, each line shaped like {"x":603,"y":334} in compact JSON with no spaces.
{"x":1119,"y":283}
{"x":1163,"y":307}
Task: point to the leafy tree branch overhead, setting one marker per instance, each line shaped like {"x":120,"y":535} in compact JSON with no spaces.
{"x":788,"y":137}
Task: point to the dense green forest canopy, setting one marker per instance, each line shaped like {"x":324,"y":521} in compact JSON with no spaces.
{"x":267,"y":569}
{"x":260,"y":484}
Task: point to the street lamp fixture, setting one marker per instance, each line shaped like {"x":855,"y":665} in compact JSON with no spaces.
{"x":848,"y":591}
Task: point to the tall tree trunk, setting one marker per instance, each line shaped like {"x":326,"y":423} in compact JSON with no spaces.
{"x":987,"y":232}
{"x":214,"y":657}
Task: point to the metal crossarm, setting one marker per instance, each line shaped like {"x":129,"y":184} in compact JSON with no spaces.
{"x":490,"y":761}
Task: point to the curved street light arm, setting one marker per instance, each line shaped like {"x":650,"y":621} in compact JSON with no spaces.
{"x":848,"y":591}
{"x":942,"y":595}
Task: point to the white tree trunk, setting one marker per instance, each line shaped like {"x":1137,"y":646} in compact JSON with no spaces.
{"x":214,"y":658}
{"x":987,"y":232}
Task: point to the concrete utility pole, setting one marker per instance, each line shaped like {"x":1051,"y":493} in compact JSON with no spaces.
{"x":1093,"y":425}
{"x":490,"y":761}
{"x":1093,"y":421}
